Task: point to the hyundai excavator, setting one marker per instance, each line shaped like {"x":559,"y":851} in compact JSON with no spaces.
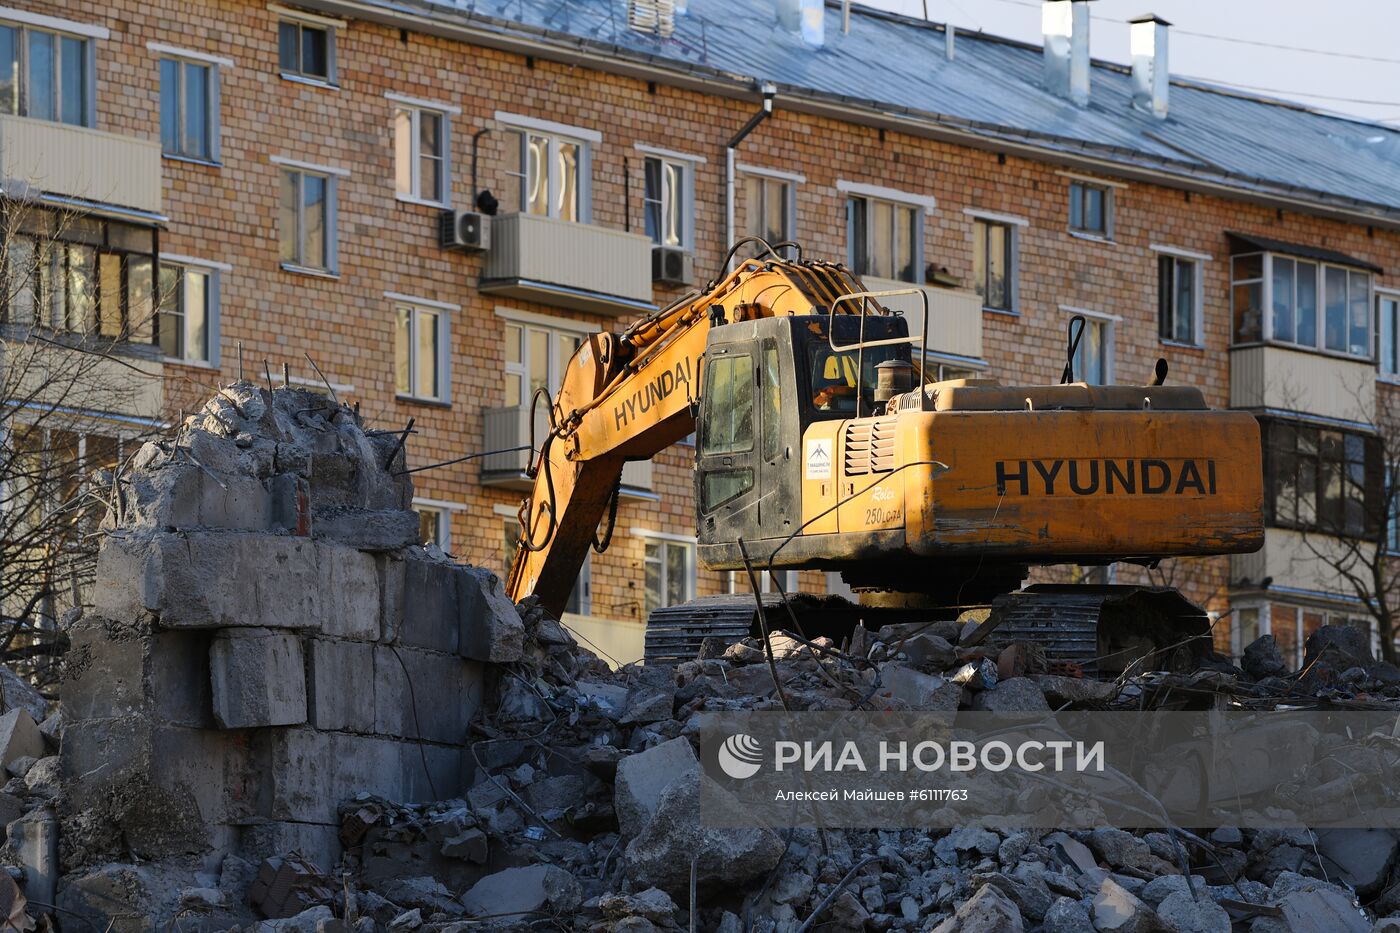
{"x":819,"y":446}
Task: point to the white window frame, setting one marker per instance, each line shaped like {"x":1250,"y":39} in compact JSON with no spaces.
{"x":1110,"y":206}
{"x":1198,"y":298}
{"x":445,"y":511}
{"x":898,"y":201}
{"x":303,"y":19}
{"x":1110,"y":323}
{"x":332,"y":175}
{"x":556,"y":133}
{"x":418,"y":309}
{"x":25,"y":23}
{"x":1013,"y":227}
{"x":666,"y":539}
{"x":768,"y":175}
{"x":686,"y":167}
{"x":1391,"y":295}
{"x":556,"y":328}
{"x":1266,"y":325}
{"x":212,"y":94}
{"x":213,"y":285}
{"x":416,"y":108}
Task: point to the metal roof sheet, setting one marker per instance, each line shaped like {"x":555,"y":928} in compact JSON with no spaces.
{"x":991,"y":87}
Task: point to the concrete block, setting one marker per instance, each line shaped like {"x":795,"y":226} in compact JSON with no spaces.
{"x":376,"y":530}
{"x":432,"y":772}
{"x":429,"y":606}
{"x":32,"y":841}
{"x":424,"y":694}
{"x":19,"y":737}
{"x":103,"y":670}
{"x":919,"y":690}
{"x":524,"y":891}
{"x":178,"y":680}
{"x":129,"y":589}
{"x":291,"y":502}
{"x":350,"y":601}
{"x":491,"y":629}
{"x":257,"y":678}
{"x":318,"y":843}
{"x":306,"y":774}
{"x":641,"y":778}
{"x":341,"y":681}
{"x":393,"y":572}
{"x":217,"y":580}
{"x":199,"y":499}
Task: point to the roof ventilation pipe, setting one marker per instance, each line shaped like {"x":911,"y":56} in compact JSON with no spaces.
{"x":1065,"y":24}
{"x":1147,"y":42}
{"x":804,"y":18}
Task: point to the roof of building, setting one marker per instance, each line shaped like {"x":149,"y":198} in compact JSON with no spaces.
{"x":992,"y":88}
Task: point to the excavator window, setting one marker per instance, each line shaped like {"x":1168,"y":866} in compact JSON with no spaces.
{"x":728,"y":424}
{"x":834,"y":375}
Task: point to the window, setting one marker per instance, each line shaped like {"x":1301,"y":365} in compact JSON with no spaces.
{"x":1389,"y":313}
{"x":1091,"y":209}
{"x":420,"y":154}
{"x":769,"y":210}
{"x":1179,"y":296}
{"x":307,"y":220}
{"x":670,"y":572}
{"x":1392,"y":509}
{"x":1093,"y":360}
{"x":994,"y":264}
{"x":728,"y":427}
{"x":189,"y":109}
{"x":767,"y":582}
{"x":883,"y":238}
{"x":84,"y":275}
{"x":1321,"y":479}
{"x":553,"y":174}
{"x":536,"y":357}
{"x":1312,"y":305}
{"x":188,"y":298}
{"x":46,"y":75}
{"x":434,"y":525}
{"x":420,"y":353}
{"x":667,"y":201}
{"x":306,"y":50}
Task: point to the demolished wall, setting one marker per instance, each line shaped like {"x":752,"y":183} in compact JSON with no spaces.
{"x":268,"y":640}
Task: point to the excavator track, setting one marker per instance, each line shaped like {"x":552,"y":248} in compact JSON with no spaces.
{"x":675,"y":633}
{"x":1106,"y":629}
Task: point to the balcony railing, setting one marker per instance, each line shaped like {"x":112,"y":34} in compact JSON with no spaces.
{"x":510,"y":427}
{"x":1277,"y":378}
{"x":956,"y":316}
{"x":77,"y":162}
{"x":569,"y":265}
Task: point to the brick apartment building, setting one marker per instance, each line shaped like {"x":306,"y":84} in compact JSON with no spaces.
{"x":277,"y":172}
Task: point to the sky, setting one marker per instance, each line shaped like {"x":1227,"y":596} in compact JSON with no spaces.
{"x":1342,"y":56}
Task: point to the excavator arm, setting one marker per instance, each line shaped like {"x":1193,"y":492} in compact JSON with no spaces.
{"x":628,"y":396}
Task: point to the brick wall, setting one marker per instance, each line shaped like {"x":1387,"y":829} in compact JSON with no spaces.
{"x":228,"y":213}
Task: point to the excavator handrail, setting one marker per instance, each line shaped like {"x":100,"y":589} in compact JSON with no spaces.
{"x":861,"y":343}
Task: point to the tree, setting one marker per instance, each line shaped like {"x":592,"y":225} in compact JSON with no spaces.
{"x":76,"y":327}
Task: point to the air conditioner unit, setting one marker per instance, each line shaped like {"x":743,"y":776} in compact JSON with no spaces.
{"x":466,"y":230}
{"x":671,"y":265}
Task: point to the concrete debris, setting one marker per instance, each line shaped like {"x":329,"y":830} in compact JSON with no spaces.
{"x":19,"y":737}
{"x":521,"y":893}
{"x":287,"y":887}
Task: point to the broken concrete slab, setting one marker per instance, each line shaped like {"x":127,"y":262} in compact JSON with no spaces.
{"x":1060,"y":690}
{"x":642,"y":778}
{"x":19,"y":737}
{"x":1363,"y":857}
{"x":1013,"y":695}
{"x":1116,"y":910}
{"x":367,"y":530}
{"x":490,"y":626}
{"x":920,"y":691}
{"x":15,"y":691}
{"x":517,"y":893}
{"x":32,"y":843}
{"x":987,"y":911}
{"x":662,"y":853}
{"x":258,"y":678}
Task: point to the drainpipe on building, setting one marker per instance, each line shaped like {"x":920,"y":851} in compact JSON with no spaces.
{"x":770,"y":91}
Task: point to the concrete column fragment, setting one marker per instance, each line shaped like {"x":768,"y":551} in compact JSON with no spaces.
{"x":257,"y":678}
{"x":491,"y":629}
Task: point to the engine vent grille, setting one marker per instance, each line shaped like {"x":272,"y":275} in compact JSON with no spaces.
{"x":870,"y":446}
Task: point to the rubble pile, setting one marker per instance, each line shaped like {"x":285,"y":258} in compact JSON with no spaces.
{"x":283,"y":715}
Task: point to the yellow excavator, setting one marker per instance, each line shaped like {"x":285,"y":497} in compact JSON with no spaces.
{"x":819,"y":446}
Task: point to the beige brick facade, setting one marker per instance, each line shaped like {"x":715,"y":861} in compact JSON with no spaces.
{"x":229,"y":213}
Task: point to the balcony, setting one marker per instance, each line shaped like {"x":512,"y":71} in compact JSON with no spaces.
{"x":568,"y":265}
{"x":1279,"y":379}
{"x":1294,"y":563}
{"x":510,"y":427}
{"x":77,"y":162}
{"x":956,"y":316}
